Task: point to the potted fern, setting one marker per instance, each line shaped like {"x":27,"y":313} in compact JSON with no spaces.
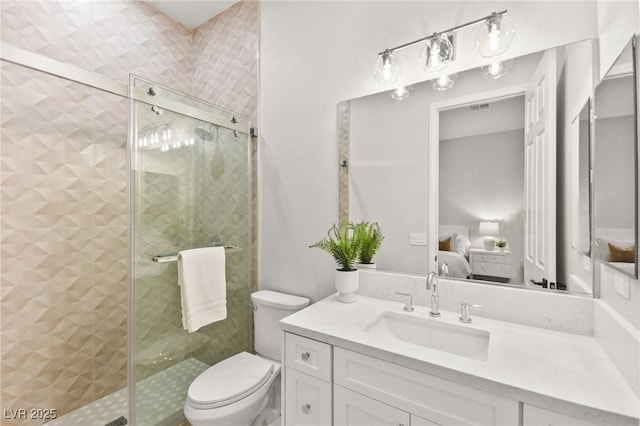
{"x":344,"y":244}
{"x":371,"y":237}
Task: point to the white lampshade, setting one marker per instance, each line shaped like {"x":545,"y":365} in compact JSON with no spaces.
{"x":490,"y":229}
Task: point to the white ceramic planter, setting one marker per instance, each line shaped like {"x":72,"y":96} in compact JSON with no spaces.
{"x":366,"y":265}
{"x":347,"y":282}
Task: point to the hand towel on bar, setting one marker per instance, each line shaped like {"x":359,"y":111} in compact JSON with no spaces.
{"x":203,"y":286}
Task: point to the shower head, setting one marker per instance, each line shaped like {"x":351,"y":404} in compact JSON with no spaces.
{"x":206,"y":131}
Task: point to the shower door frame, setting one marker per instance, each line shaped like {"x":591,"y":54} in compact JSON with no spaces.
{"x":227,"y":119}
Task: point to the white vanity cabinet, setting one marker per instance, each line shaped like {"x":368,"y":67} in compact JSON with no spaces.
{"x":327,"y":385}
{"x":307,"y":382}
{"x":431,"y":399}
{"x":352,"y":409}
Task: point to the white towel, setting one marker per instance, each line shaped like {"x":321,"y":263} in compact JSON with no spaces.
{"x":203,"y":286}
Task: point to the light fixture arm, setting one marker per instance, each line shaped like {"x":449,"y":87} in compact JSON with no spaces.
{"x":493,"y":16}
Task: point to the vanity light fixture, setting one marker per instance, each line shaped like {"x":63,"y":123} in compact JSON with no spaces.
{"x":492,"y":39}
{"x":401,"y":93}
{"x":444,"y":82}
{"x":496,"y":70}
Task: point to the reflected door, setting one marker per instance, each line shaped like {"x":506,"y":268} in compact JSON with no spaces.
{"x":540,"y":172}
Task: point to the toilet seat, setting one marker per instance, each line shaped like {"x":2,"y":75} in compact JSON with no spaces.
{"x":228,"y":381}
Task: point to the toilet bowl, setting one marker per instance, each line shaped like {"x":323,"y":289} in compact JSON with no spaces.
{"x":244,"y":390}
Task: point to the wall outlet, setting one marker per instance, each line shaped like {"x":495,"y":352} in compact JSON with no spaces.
{"x":621,"y":284}
{"x":417,"y":239}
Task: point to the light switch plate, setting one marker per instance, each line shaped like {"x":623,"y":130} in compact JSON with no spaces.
{"x":417,"y":239}
{"x":586,"y":263}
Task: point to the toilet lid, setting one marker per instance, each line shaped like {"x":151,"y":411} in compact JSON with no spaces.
{"x":229,"y":381}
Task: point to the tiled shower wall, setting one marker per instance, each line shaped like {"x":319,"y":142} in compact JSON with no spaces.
{"x":63,"y":301}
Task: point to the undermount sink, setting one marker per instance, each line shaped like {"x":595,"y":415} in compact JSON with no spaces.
{"x":432,"y":333}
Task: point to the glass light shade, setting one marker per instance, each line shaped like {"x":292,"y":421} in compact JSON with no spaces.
{"x":436,"y":52}
{"x":387,"y":68}
{"x":400,"y":93}
{"x":444,"y":82}
{"x":496,"y":70}
{"x":494,"y":37}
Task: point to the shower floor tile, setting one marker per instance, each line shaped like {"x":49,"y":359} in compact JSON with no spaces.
{"x":160,"y":397}
{"x":159,"y":400}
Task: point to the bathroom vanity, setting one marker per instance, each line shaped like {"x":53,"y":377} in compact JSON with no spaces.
{"x":372,"y":363}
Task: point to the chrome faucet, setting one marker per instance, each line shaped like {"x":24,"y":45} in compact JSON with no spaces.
{"x":432,"y":284}
{"x":464,"y":312}
{"x":444,"y":269}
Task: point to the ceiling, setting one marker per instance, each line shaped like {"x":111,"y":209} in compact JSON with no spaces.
{"x":190,"y":13}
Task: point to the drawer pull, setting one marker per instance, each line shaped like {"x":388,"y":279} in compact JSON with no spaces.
{"x":306,"y":408}
{"x":305,"y":356}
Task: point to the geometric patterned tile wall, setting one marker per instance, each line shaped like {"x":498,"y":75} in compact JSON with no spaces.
{"x":64,"y":241}
{"x":64,"y":251}
{"x":225,"y":73}
{"x":225,"y":59}
{"x":112,"y":37}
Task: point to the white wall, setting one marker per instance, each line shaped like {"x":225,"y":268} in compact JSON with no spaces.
{"x":482,"y":178}
{"x":316,"y":54}
{"x":575,"y":87}
{"x":617,"y":22}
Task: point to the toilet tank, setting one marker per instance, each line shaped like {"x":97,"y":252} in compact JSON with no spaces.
{"x":269,"y":308}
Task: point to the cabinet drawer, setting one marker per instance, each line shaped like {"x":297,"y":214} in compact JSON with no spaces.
{"x":307,"y":400}
{"x":308,"y":356}
{"x":432,"y":398}
{"x":492,"y":269}
{"x":353,"y":409}
{"x":492,"y":258}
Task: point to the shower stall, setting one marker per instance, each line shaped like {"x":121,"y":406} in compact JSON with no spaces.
{"x":91,"y":328}
{"x":189,"y":189}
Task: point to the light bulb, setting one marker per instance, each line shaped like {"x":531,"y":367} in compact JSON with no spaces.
{"x":494,"y":38}
{"x":387,"y":70}
{"x":400,"y":93}
{"x":436,"y":51}
{"x":444,"y":82}
{"x":496,"y":70}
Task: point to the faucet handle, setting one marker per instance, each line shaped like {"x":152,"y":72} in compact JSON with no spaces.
{"x":464,"y":312}
{"x":408,"y":307}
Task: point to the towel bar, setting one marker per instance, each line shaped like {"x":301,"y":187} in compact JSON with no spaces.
{"x":174,"y":257}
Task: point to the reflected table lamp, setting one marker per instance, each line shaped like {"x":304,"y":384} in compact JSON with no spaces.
{"x":489,"y":230}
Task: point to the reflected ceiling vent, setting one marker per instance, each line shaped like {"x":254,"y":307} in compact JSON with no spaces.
{"x":478,"y":107}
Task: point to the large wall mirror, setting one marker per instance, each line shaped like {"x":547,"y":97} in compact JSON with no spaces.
{"x":448,"y":173}
{"x":616,"y":167}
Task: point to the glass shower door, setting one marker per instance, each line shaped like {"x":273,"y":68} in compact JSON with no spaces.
{"x":190,"y":189}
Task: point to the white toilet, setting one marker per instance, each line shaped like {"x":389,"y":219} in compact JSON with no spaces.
{"x":244,"y":390}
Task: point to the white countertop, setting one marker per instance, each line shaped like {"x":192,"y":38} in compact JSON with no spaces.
{"x":561,"y":371}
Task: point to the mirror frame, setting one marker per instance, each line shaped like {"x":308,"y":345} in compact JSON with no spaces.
{"x":636,"y":81}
